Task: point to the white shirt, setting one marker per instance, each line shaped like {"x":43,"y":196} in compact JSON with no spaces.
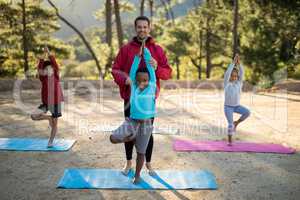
{"x":233,"y":89}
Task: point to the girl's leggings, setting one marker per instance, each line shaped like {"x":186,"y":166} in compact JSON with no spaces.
{"x":229,"y":110}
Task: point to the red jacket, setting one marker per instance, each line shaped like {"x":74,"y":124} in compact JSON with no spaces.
{"x":124,"y":59}
{"x":51,"y":90}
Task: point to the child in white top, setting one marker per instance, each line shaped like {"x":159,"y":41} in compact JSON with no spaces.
{"x":233,"y":83}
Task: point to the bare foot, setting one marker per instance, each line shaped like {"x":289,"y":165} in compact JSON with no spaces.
{"x":136,"y":180}
{"x":229,"y":140}
{"x":127,"y":168}
{"x":50,"y":145}
{"x":35,"y":116}
{"x":126,"y":171}
{"x":150,"y":169}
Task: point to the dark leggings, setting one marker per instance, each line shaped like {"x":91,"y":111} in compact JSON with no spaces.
{"x":129,"y":145}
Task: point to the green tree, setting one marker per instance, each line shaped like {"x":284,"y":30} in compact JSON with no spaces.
{"x":269,"y":38}
{"x":27,"y":28}
{"x":175,"y":41}
{"x":116,"y":7}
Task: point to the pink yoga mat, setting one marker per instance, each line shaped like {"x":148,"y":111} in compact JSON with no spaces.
{"x":190,"y":145}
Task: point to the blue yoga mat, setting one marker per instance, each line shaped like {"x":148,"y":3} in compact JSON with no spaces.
{"x":114,"y":179}
{"x":34,"y":144}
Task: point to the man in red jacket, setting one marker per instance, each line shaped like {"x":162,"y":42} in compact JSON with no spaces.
{"x":51,"y":93}
{"x":121,"y":69}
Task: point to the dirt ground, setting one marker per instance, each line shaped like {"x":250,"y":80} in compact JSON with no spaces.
{"x":198,"y":114}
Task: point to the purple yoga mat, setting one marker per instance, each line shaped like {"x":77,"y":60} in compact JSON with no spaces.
{"x":190,"y":145}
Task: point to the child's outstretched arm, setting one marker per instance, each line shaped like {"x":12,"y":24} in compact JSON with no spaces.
{"x":54,"y":64}
{"x":241,"y":68}
{"x":41,"y":70}
{"x":147,"y":57}
{"x":241,"y":73}
{"x":228,"y":73}
{"x":134,"y":67}
{"x":40,"y":67}
{"x":236,"y":61}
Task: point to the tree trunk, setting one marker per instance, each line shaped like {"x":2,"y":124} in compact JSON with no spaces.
{"x":166,"y":9}
{"x":24,"y":38}
{"x":199,"y":73}
{"x":108,"y":38}
{"x":142,"y":7}
{"x":151,"y":4}
{"x":171,"y":12}
{"x":207,"y":46}
{"x":88,"y":46}
{"x":177,"y":68}
{"x":118,"y":23}
{"x":108,"y":22}
{"x":198,"y":66}
{"x":235,"y":26}
{"x":200,"y":54}
{"x":200,"y":38}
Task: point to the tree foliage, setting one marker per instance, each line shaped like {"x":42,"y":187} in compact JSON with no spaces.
{"x":199,"y":44}
{"x":40,"y":24}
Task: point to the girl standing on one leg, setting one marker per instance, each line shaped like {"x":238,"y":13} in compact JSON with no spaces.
{"x":142,"y":109}
{"x":120,"y":71}
{"x":233,"y":83}
{"x":51,"y":93}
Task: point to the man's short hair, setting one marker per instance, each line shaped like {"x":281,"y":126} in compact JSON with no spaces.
{"x":143,"y":18}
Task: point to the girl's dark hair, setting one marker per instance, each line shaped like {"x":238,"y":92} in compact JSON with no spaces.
{"x":235,"y":69}
{"x":142,"y":70}
{"x":144,"y":18}
{"x":46,"y":63}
